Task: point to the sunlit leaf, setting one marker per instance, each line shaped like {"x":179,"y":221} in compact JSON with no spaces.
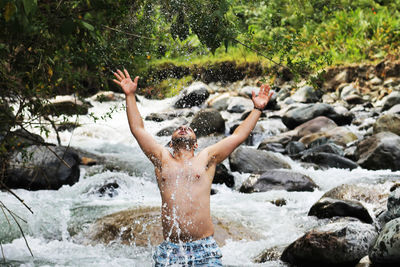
{"x":87,"y":25}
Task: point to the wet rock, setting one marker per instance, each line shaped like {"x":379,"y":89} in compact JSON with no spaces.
{"x":108,"y":189}
{"x":283,"y":138}
{"x":269,"y":254}
{"x":284,"y":92}
{"x":329,"y":207}
{"x":158,"y":117}
{"x":250,"y":160}
{"x":220,"y":101}
{"x":294,"y":148}
{"x":318,"y":124}
{"x":386,"y":249}
{"x":167,"y":131}
{"x":307,"y":94}
{"x":393,"y":207}
{"x":340,"y":78}
{"x":279,"y":202}
{"x":194,"y":95}
{"x":374,"y":195}
{"x":239,"y":105}
{"x":66,"y":105}
{"x":38,"y":168}
{"x":391,"y":100}
{"x":388,"y":123}
{"x":339,"y":135}
{"x":354,"y":99}
{"x":142,"y":227}
{"x":329,"y":160}
{"x":327,"y":147}
{"x":246,"y":90}
{"x":369,"y":194}
{"x":278,"y":180}
{"x":274,"y":147}
{"x":208,"y":121}
{"x":335,"y":244}
{"x":223,"y":176}
{"x":348,"y":90}
{"x":300,"y":114}
{"x":380,"y":151}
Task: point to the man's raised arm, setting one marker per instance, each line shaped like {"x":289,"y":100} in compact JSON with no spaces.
{"x":147,"y":143}
{"x":221,"y":150}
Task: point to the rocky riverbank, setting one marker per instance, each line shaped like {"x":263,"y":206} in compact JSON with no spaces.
{"x":350,"y":121}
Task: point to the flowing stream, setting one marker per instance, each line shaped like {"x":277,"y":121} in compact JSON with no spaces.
{"x":58,"y":215}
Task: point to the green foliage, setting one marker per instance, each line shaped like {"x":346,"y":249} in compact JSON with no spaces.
{"x":205,"y":18}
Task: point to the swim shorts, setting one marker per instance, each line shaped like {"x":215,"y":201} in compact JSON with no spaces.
{"x":202,"y":252}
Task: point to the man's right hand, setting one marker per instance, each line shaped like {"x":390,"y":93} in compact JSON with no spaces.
{"x":125,"y":81}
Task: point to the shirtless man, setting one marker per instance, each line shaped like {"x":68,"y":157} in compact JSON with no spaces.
{"x":184,"y":180}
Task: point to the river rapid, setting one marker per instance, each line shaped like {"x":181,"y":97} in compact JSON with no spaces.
{"x":59,"y":215}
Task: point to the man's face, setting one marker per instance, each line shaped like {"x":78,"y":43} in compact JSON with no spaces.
{"x":184,"y":135}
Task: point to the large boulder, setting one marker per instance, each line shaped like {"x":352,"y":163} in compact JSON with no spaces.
{"x":339,"y":135}
{"x":380,"y":151}
{"x":297,"y":115}
{"x":194,"y":95}
{"x":388,"y":123}
{"x":208,"y":121}
{"x":330,"y":207}
{"x":141,"y":227}
{"x":40,"y":167}
{"x":307,"y":94}
{"x":318,"y":124}
{"x":335,"y":244}
{"x":250,"y":160}
{"x":374,"y":195}
{"x":278,"y":180}
{"x":386,"y":250}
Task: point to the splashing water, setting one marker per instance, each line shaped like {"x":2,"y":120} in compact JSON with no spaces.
{"x":60,"y":215}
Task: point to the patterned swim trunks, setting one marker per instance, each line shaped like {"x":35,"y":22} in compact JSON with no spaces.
{"x":202,"y":252}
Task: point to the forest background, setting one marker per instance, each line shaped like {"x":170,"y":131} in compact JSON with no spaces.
{"x":50,"y":48}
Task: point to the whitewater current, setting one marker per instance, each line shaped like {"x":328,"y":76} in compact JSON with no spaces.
{"x":58,"y":215}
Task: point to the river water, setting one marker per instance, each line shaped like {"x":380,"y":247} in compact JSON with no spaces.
{"x":59,"y":215}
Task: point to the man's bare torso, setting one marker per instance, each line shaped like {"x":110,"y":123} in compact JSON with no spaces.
{"x":185,"y":191}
